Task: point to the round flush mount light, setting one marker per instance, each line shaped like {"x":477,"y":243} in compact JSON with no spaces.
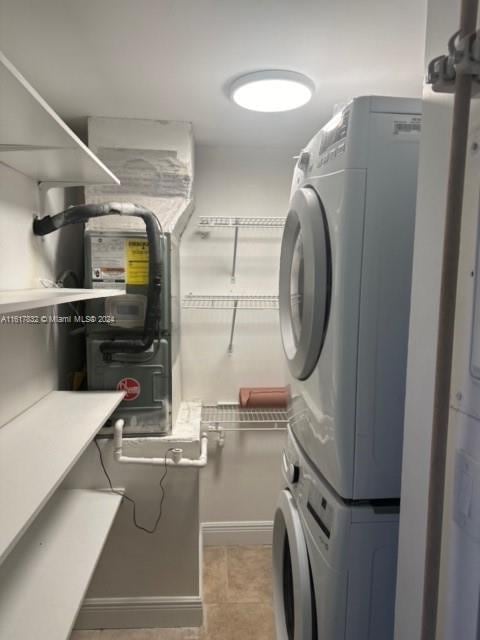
{"x":271,"y":91}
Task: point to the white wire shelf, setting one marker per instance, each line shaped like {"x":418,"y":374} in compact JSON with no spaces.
{"x":231,"y":302}
{"x":218,"y":415}
{"x":236,"y":223}
{"x":233,"y":413}
{"x":240,"y":302}
{"x":245,"y":222}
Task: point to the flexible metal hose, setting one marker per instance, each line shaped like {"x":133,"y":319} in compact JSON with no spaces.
{"x":81,"y":214}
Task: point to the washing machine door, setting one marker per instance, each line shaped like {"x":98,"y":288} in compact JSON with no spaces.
{"x":305,"y":282}
{"x":292,"y":583}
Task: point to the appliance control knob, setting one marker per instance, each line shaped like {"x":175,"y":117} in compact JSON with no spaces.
{"x":290,"y":470}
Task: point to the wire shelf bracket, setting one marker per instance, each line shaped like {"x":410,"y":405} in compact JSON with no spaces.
{"x":236,"y":223}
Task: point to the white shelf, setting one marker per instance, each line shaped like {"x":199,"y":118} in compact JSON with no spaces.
{"x":240,"y":302}
{"x":232,"y":302}
{"x":234,"y":414}
{"x":22,"y":299}
{"x":35,"y":141}
{"x":38,"y":448}
{"x":236,"y":223}
{"x":244,"y":222}
{"x":44,"y":581}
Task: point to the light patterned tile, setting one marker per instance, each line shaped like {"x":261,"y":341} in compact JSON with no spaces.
{"x":249,"y":572}
{"x":214,"y":575}
{"x":237,"y":584}
{"x":238,"y":622}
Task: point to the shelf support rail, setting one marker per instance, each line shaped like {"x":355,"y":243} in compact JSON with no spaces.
{"x":232,"y":330}
{"x":235,"y":247}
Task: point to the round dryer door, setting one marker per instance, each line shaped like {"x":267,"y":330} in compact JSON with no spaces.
{"x":305,"y":282}
{"x":292,"y":588}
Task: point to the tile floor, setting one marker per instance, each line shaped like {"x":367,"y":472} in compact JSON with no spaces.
{"x":237,"y":594}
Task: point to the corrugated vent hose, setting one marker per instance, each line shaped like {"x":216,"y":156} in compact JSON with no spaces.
{"x":81,"y":214}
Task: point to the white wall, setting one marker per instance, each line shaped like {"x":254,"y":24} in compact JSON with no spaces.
{"x":242,"y":480}
{"x":28,"y":368}
{"x":153,"y":575}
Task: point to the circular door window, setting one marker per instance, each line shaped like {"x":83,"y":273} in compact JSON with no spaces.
{"x":292,"y":589}
{"x":305,"y":282}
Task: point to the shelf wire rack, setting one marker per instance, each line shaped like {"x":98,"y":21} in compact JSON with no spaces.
{"x":236,"y":223}
{"x":215,"y":416}
{"x":233,"y":301}
{"x":246,"y":222}
{"x":230,"y":302}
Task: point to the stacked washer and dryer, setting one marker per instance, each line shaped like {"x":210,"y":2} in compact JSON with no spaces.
{"x":345,"y":277}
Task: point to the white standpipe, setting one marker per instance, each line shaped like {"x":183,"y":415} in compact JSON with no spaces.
{"x":177,"y":459}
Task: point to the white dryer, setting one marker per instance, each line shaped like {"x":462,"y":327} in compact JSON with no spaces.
{"x":345,"y":276}
{"x":334,"y":565}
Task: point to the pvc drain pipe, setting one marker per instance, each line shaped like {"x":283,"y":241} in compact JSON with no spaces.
{"x":177,"y":459}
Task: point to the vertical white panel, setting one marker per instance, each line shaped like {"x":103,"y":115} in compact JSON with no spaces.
{"x":457,"y":573}
{"x":442,"y":21}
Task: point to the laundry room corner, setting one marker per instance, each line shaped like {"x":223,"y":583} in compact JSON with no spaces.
{"x":239,"y":320}
{"x":235,"y":182}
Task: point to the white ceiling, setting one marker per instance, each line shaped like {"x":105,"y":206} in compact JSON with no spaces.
{"x":172,"y":59}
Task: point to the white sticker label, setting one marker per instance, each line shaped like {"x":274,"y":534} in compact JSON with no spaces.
{"x":108,"y":259}
{"x":407,"y":128}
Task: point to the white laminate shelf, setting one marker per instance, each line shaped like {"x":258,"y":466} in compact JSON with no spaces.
{"x":35,"y":141}
{"x":44,"y":580}
{"x":24,"y":299}
{"x":231,"y":301}
{"x":38,"y":448}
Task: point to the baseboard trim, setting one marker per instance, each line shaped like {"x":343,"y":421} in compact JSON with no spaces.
{"x":140,"y":613}
{"x":233,"y":533}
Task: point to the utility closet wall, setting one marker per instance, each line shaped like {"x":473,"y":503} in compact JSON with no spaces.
{"x":31,"y":364}
{"x":240,"y":485}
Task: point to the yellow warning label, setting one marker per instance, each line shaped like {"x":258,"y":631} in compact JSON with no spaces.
{"x":137,"y":262}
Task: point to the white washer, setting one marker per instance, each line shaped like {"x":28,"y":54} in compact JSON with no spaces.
{"x":345,"y":276}
{"x":334,"y":565}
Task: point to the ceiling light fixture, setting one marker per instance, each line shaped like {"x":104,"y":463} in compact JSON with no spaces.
{"x":271,"y":91}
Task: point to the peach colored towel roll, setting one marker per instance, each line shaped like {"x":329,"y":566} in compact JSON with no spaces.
{"x":264,"y":397}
